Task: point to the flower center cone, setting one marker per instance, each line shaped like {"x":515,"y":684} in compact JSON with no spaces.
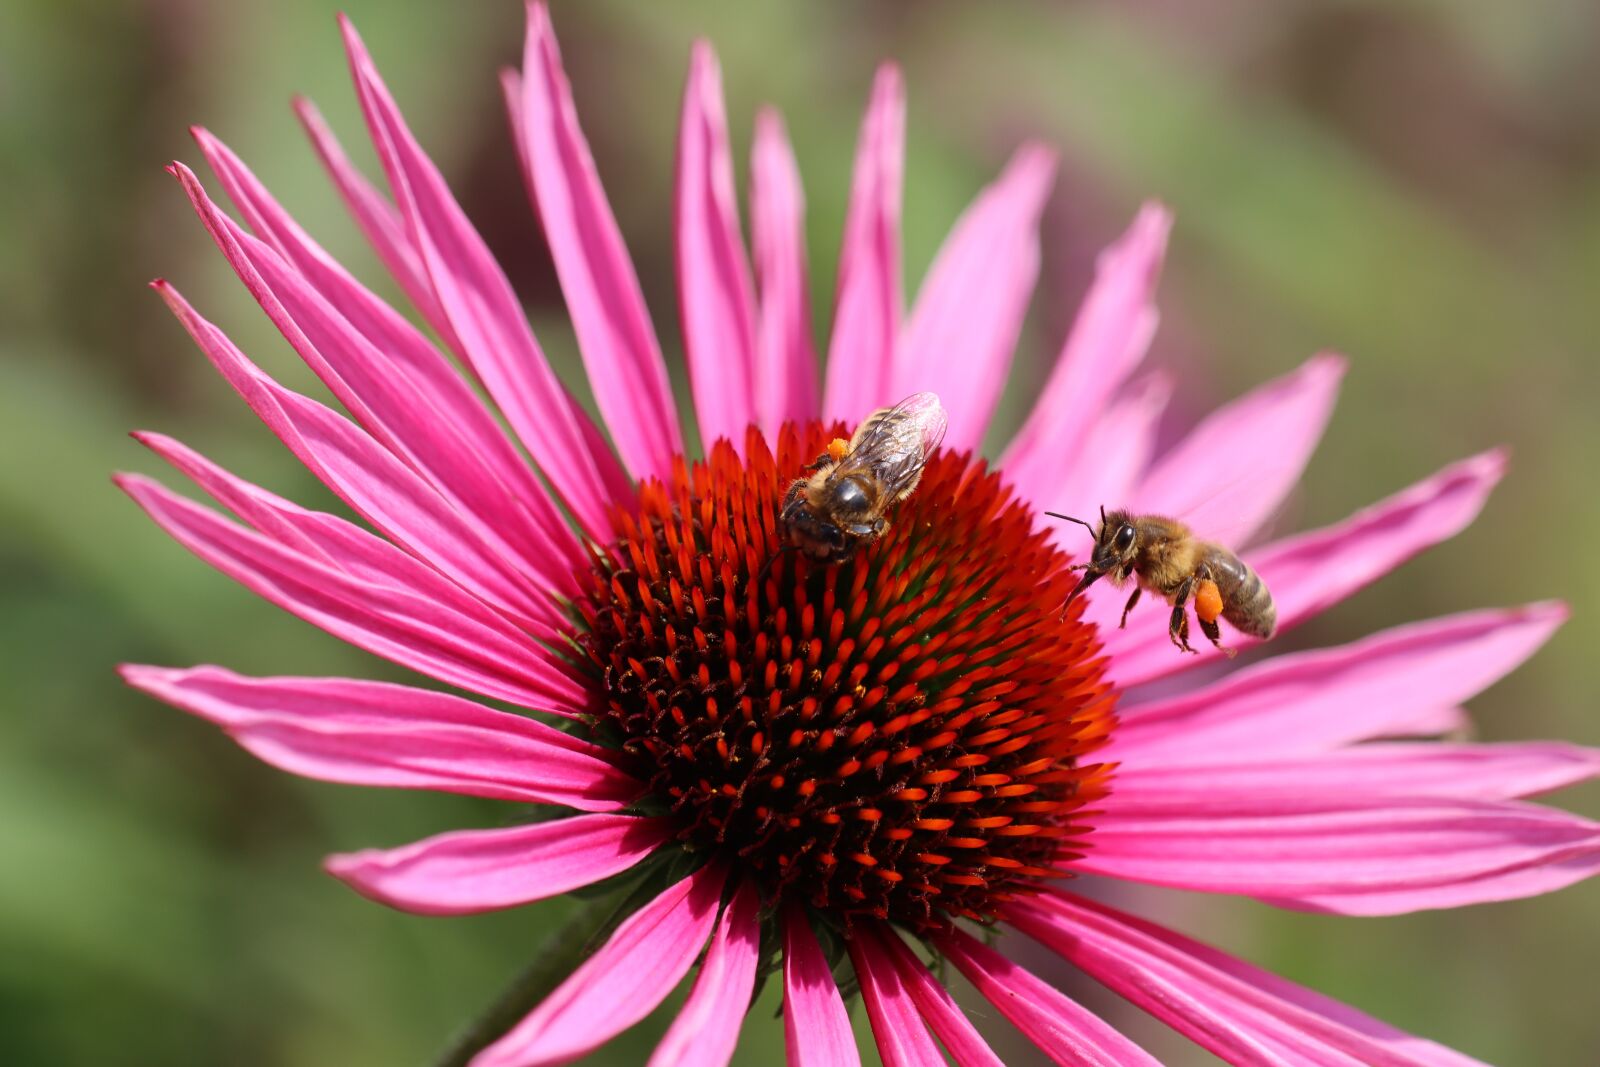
{"x":902,"y":736}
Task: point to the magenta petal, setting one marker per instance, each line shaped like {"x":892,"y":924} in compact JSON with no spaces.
{"x":393,"y":736}
{"x":619,"y":984}
{"x":421,"y":620}
{"x":390,"y":377}
{"x":484,"y":314}
{"x":1310,"y":572}
{"x":1234,"y":469}
{"x":903,"y":1040}
{"x":469,"y":871}
{"x":608,"y":311}
{"x":715,"y":297}
{"x":380,"y":221}
{"x":1108,"y":339}
{"x":933,"y":1001}
{"x":1066,"y":1032}
{"x":1310,"y":702}
{"x":960,"y":337}
{"x":786,"y":370}
{"x":706,"y":1029}
{"x":1123,"y":438}
{"x":866,"y":318}
{"x":1351,"y":854}
{"x":816,"y":1026}
{"x":370,"y":478}
{"x":1420,"y":769}
{"x":1238,"y":1012}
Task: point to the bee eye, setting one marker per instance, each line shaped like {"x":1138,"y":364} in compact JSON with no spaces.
{"x":1124,"y":539}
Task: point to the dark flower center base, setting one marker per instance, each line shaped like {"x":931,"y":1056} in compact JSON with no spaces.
{"x":901,"y":736}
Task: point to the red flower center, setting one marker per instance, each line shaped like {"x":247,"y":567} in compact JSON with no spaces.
{"x":902,"y":736}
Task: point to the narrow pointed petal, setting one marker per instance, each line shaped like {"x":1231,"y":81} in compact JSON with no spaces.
{"x":391,"y":378}
{"x":959,"y":339}
{"x":897,"y":1027}
{"x":1121,"y":443}
{"x":1501,"y":771}
{"x":380,"y":221}
{"x":619,"y":984}
{"x":716,"y":301}
{"x":816,"y":1026}
{"x":866,"y":318}
{"x":707,"y":1027}
{"x":484,"y":314}
{"x":786,"y":359}
{"x":1311,"y":702}
{"x":1310,"y":572}
{"x":394,"y":737}
{"x":382,"y":489}
{"x":934,"y":1002}
{"x":602,"y":292}
{"x":1107,"y":341}
{"x":1350,"y":854}
{"x":1234,"y":469}
{"x":1064,"y":1031}
{"x":1235,"y":1010}
{"x":423,"y":621}
{"x":468,"y":871}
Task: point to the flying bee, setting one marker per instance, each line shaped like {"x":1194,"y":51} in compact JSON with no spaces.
{"x":1167,"y":559}
{"x":840,"y":506}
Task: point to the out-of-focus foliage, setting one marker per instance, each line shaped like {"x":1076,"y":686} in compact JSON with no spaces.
{"x":1415,"y":183}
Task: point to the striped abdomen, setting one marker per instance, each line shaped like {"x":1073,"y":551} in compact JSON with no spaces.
{"x":1246,"y":603}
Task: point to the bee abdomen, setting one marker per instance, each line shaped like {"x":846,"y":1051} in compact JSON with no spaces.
{"x":1247,"y":603}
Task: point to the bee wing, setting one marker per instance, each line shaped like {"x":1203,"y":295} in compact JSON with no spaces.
{"x":893,"y":444}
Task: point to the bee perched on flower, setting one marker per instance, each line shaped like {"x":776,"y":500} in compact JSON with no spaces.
{"x":849,"y":763}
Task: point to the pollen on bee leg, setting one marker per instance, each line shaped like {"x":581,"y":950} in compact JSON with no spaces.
{"x":1207,"y":600}
{"x":837,"y":448}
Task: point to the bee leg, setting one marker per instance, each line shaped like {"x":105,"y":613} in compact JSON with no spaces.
{"x":1178,"y":627}
{"x":1213,"y":633}
{"x":1132,"y":600}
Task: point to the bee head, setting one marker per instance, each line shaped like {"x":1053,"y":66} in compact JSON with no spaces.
{"x":1116,"y":543}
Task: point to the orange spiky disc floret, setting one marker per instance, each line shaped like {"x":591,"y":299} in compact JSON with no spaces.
{"x":902,"y":736}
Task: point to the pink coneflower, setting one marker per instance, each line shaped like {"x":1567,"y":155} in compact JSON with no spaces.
{"x":801,"y":763}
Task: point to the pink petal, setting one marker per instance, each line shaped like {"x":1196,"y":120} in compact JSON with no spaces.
{"x":866,"y":319}
{"x":369,"y":478}
{"x":621,"y":983}
{"x":1310,"y":702}
{"x":1122,"y":441}
{"x":715,"y":298}
{"x":469,"y":871}
{"x":706,"y":1029}
{"x":960,"y":336}
{"x":786,"y":369}
{"x":1418,"y":769}
{"x":1063,"y":1030}
{"x":1109,"y":338}
{"x":1351,"y":854}
{"x":608,"y":311}
{"x":1310,"y":572}
{"x":816,"y":1026}
{"x":1234,"y":469}
{"x":484,"y":314}
{"x":933,"y":1001}
{"x":903,"y":1040}
{"x":394,"y":737}
{"x":380,"y":221}
{"x":391,"y":377}
{"x":1235,"y":1010}
{"x":422,"y":621}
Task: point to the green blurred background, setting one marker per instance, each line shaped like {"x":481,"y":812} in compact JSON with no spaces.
{"x":1414,"y":183}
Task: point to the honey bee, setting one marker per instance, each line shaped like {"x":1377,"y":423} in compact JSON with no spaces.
{"x":1167,"y":559}
{"x":840,"y":506}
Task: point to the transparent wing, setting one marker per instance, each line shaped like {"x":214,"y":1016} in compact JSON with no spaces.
{"x":892,"y":445}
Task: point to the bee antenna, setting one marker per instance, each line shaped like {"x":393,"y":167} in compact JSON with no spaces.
{"x":761,"y":575}
{"x":1069,"y":518}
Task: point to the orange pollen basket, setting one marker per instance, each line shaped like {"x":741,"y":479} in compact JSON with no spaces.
{"x":903,"y":736}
